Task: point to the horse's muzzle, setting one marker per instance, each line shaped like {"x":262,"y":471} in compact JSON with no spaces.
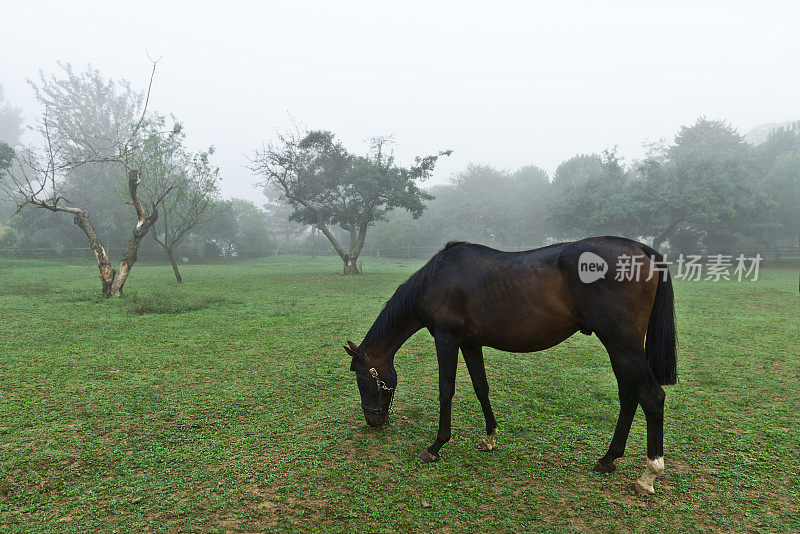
{"x":375,"y":420}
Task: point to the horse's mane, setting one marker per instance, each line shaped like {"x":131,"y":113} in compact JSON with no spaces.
{"x":405,"y":297}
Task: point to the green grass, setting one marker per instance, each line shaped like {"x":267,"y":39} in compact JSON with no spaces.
{"x":226,"y":404}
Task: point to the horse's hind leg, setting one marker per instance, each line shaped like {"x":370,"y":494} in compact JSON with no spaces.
{"x":477,"y":372}
{"x":447,"y":354}
{"x":651,"y":398}
{"x":637,"y":385}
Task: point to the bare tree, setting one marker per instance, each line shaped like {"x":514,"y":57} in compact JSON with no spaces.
{"x":38,"y":176}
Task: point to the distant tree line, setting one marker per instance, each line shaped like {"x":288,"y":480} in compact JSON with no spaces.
{"x":707,"y":190}
{"x":108,"y":173}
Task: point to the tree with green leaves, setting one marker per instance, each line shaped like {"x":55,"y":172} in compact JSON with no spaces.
{"x":6,"y":157}
{"x":10,"y":134}
{"x":529,"y":196}
{"x":253,"y":236}
{"x":473,"y":206}
{"x":8,"y":237}
{"x":778,"y":177}
{"x":10,"y":122}
{"x":239,"y":228}
{"x":701,"y":185}
{"x":491,"y":206}
{"x":326,"y":186}
{"x":782,"y":184}
{"x":482,"y":204}
{"x":190,"y":182}
{"x":590,"y":195}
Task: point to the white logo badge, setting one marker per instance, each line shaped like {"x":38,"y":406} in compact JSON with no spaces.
{"x":591,"y":267}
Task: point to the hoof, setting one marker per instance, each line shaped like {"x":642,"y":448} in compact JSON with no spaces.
{"x":641,"y":489}
{"x":644,"y":484}
{"x":602,"y":467}
{"x":427,"y":457}
{"x":487,"y":443}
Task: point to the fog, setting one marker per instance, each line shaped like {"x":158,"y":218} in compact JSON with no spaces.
{"x":503,"y":83}
{"x":209,"y":201}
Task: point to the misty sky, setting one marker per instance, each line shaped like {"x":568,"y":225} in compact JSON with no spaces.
{"x":503,"y":83}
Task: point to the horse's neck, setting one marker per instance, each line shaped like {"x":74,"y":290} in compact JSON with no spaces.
{"x":383,"y":347}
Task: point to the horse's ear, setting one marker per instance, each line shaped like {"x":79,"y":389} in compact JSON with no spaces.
{"x":352,"y":349}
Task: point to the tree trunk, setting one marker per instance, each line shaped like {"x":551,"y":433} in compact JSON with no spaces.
{"x":114,"y":279}
{"x":349,"y":258}
{"x":356,"y":246}
{"x":143,"y":225}
{"x":350,"y":266}
{"x":663,"y":236}
{"x":107,"y":273}
{"x":174,"y":266}
{"x":115,"y":288}
{"x":131,"y":255}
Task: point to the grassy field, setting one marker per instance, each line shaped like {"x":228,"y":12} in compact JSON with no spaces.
{"x":226,"y":404}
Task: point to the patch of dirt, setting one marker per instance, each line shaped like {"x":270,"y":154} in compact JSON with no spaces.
{"x":269,"y":509}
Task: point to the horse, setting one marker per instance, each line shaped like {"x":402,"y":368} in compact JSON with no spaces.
{"x":470,"y":296}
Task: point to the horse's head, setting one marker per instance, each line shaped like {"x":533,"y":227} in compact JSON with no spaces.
{"x":376,"y":389}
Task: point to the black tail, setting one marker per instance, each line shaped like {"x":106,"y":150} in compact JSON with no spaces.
{"x":660,"y":343}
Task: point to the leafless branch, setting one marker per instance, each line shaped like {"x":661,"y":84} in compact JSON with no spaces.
{"x":144,"y":109}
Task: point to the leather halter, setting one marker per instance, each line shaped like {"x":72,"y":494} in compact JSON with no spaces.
{"x":381,"y":386}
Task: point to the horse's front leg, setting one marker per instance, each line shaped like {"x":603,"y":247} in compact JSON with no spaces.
{"x":447,"y":355}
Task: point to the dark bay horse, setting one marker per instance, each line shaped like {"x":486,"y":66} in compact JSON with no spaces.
{"x":470,"y":296}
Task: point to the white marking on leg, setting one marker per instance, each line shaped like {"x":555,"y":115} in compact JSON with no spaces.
{"x":488,"y":443}
{"x":654,"y":468}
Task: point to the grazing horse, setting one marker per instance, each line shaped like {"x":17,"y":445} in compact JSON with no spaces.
{"x":469,"y":296}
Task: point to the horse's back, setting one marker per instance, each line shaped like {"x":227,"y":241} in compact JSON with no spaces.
{"x":512,"y":301}
{"x":531,"y":300}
